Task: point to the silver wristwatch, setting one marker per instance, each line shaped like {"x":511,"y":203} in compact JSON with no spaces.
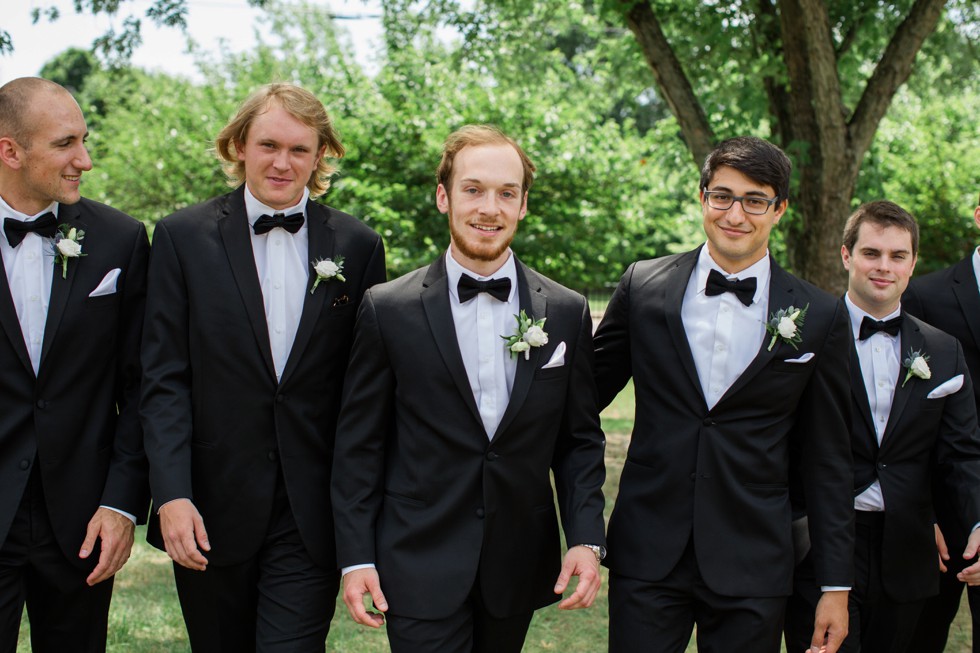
{"x":599,"y":551}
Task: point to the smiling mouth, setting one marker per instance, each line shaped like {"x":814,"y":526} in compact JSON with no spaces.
{"x":486,"y":228}
{"x":72,"y":178}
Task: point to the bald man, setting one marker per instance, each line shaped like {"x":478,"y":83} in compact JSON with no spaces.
{"x":73,"y":477}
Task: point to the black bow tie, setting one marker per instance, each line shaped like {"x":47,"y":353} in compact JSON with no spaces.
{"x":717,"y":284}
{"x":871,"y":326}
{"x":267,"y":223}
{"x":45,"y":226}
{"x":468,"y":288}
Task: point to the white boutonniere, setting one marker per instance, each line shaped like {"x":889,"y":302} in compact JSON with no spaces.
{"x":67,"y":245}
{"x":786,"y":323}
{"x":530,"y":333}
{"x":327,"y":269}
{"x":917,"y":365}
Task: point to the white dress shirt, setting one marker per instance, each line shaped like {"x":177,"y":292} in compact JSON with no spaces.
{"x":976,"y":265}
{"x":281,"y":259}
{"x":880,"y":364}
{"x":479,"y":324}
{"x":30,"y":269}
{"x":724,"y":334}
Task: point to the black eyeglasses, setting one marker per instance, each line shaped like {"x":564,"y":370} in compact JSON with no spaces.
{"x":723,"y":201}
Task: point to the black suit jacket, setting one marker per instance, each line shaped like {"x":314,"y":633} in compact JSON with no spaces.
{"x":949,"y":300}
{"x":721,"y":475}
{"x":77,"y":419}
{"x":923,"y":437}
{"x":420,"y":489}
{"x":218,"y":426}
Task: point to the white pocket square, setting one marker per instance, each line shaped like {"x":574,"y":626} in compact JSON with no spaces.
{"x":108,"y":284}
{"x":947,"y":388}
{"x":557,"y":358}
{"x":805,"y":358}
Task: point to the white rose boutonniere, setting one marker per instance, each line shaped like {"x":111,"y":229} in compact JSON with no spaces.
{"x":529,"y":333}
{"x":67,"y":245}
{"x":327,"y":269}
{"x":917,"y":365}
{"x":786,"y":323}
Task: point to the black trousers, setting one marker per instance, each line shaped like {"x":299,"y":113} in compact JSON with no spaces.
{"x":658,"y":617}
{"x":278,"y":601}
{"x":877,"y":623}
{"x":471,"y":629}
{"x":932,"y":629}
{"x":65,"y":613}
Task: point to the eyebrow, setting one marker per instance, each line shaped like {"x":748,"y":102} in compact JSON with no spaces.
{"x":726,"y":189}
{"x":473,"y":180}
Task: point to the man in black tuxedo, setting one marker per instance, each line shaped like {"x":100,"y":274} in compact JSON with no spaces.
{"x":72,"y":469}
{"x":250,"y":314}
{"x":456,"y":415}
{"x":914,"y":421}
{"x":734,"y":363}
{"x":950,"y":300}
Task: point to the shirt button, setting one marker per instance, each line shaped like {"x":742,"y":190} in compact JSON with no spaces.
{"x":724,"y":309}
{"x":277,"y":286}
{"x":720,"y":347}
{"x":278,"y":329}
{"x":34,"y":298}
{"x":877,"y":350}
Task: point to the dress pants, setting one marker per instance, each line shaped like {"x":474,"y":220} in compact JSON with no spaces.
{"x":278,"y":601}
{"x":658,"y":617}
{"x":65,"y":613}
{"x":878,"y":624}
{"x":471,"y":629}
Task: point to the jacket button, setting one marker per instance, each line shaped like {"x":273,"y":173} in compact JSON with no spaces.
{"x":42,"y":404}
{"x":280,"y":398}
{"x":480,"y":513}
{"x":693,"y":476}
{"x":24,"y":464}
{"x":272,"y":456}
{"x":708,"y":421}
{"x":492,"y":456}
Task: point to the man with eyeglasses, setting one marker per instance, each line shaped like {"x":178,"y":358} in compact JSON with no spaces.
{"x":736,"y":364}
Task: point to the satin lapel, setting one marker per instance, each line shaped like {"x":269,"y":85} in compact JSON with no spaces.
{"x":435,"y":301}
{"x":781,"y":296}
{"x":61,"y":288}
{"x":10,"y":324}
{"x":535,"y":303}
{"x":965,"y":289}
{"x":912,"y":340}
{"x":233,"y":227}
{"x":860,"y":393}
{"x":674,"y":288}
{"x":322,"y":241}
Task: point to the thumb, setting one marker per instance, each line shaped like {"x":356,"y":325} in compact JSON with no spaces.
{"x":91,"y":533}
{"x":201,"y":534}
{"x":377,"y":596}
{"x":565,"y":576}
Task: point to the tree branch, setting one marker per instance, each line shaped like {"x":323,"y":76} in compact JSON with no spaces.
{"x":671,"y":80}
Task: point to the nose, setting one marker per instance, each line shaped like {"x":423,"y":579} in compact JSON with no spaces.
{"x":489,"y":205}
{"x":281,"y":161}
{"x":82,"y":160}
{"x":735,"y":214}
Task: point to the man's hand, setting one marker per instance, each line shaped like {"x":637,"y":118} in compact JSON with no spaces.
{"x":183,"y":532}
{"x":830,"y":622}
{"x":579,"y":561}
{"x":359,"y":583}
{"x":942,"y":548}
{"x":116,"y":532}
{"x":971,"y":575}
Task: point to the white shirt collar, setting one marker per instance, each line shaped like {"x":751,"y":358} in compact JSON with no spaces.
{"x":761,"y":270}
{"x":858,"y":314}
{"x":454,"y":270}
{"x":976,"y":264}
{"x":255,"y":209}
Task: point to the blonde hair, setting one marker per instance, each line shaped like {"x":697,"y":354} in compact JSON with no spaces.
{"x":301,"y":105}
{"x":472,"y":135}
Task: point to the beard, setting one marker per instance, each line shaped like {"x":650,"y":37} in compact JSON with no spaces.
{"x":476,"y":251}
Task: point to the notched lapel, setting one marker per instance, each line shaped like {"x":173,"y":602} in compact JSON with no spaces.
{"x":674,"y":288}
{"x":61,"y":287}
{"x":966,"y":292}
{"x":435,"y":301}
{"x":529,"y":292}
{"x":911,"y":340}
{"x":322,"y":241}
{"x":858,"y":390}
{"x":233,"y":227}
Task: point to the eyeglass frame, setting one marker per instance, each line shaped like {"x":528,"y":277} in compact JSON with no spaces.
{"x":770,"y":201}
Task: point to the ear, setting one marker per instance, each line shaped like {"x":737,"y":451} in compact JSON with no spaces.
{"x":11,"y":154}
{"x":442,"y":199}
{"x":780,"y":210}
{"x":845,"y":257}
{"x":239,"y":150}
{"x":523,"y":211}
{"x":976,"y":216}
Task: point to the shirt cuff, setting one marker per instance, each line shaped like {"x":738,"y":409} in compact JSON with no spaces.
{"x":347,"y":570}
{"x":121,"y":512}
{"x":832,"y":588}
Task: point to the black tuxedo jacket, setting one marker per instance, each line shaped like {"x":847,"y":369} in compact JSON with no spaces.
{"x":77,"y":419}
{"x":923,"y":437}
{"x":218,"y":426}
{"x":949,"y":300}
{"x":721,"y":475}
{"x":420,"y":489}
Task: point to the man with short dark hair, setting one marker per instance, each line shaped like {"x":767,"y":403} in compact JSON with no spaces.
{"x":734,"y":363}
{"x":950,"y":300}
{"x":470,"y":385}
{"x":72,"y":469}
{"x":250,"y":315}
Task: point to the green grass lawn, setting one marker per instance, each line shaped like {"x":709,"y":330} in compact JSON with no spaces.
{"x":145,"y":616}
